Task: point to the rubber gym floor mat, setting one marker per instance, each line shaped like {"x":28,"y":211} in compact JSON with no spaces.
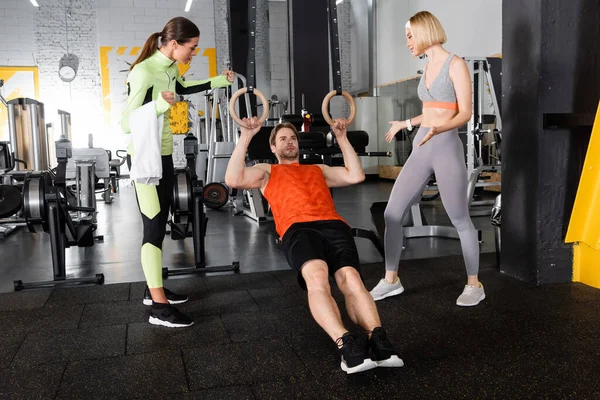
{"x":254,"y":338}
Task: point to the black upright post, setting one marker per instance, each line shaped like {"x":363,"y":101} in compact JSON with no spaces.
{"x":239,"y":40}
{"x":551,"y":65}
{"x":334,"y":41}
{"x":251,"y":68}
{"x":57,"y":242}
{"x":310,"y":53}
{"x":198,"y":232}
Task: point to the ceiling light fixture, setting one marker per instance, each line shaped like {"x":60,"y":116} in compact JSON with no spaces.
{"x":188,"y":5}
{"x":35,"y":3}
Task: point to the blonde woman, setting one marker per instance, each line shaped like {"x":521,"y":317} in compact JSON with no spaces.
{"x":445,"y":90}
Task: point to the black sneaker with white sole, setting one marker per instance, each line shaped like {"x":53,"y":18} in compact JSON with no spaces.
{"x":169,"y":316}
{"x":382,"y":351}
{"x":173,"y":298}
{"x":354,"y":354}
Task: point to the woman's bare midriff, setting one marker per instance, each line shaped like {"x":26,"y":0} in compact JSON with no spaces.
{"x":436,"y":116}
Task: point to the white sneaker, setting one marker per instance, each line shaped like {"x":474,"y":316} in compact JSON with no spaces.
{"x":471,"y":296}
{"x":385,"y":289}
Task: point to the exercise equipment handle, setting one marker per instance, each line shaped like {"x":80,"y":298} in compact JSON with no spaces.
{"x":325,"y":106}
{"x":80,"y":208}
{"x":376,"y":154}
{"x":240,"y":92}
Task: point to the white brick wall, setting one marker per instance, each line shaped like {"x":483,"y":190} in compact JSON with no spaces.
{"x":221,"y":33}
{"x":339,"y":106}
{"x":263,"y":64}
{"x":72,"y":29}
{"x":344,"y":32}
{"x":344,"y":12}
{"x":221,"y":15}
{"x":279,"y":50}
{"x":17,"y":29}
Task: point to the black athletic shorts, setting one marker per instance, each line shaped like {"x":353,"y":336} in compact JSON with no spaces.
{"x":330,"y":241}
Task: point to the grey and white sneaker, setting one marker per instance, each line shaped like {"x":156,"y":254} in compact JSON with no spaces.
{"x":385,"y":289}
{"x":471,"y":296}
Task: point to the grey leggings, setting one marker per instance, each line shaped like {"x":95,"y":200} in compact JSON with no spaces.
{"x":442,"y":155}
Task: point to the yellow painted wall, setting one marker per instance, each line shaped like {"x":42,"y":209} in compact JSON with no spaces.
{"x":584,"y":226}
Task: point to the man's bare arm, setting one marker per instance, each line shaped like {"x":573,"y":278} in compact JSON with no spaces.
{"x":352,"y":172}
{"x":238,"y":175}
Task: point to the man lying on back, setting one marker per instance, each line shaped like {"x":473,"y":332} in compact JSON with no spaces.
{"x":316,"y":240}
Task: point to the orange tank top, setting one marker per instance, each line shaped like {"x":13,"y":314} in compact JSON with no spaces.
{"x":298,"y":193}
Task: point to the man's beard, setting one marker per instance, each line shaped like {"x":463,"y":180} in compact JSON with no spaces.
{"x":289,"y":154}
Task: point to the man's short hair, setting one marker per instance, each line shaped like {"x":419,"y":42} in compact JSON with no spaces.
{"x":279,"y":127}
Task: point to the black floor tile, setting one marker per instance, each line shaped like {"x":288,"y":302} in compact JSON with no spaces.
{"x":9,"y":347}
{"x":287,"y":278}
{"x":241,"y":392}
{"x":556,"y":355}
{"x":220,"y":303}
{"x":269,"y":324}
{"x":24,"y":300}
{"x":311,"y":389}
{"x":14,"y":322}
{"x":464,"y":377}
{"x":144,"y":337}
{"x":279,"y":298}
{"x":382,"y":383}
{"x":571,"y":292}
{"x":89,"y":294}
{"x":38,"y":382}
{"x":54,"y":318}
{"x":565,"y":299}
{"x":453,"y":379}
{"x":151,"y":374}
{"x":231,"y":392}
{"x":317,"y":352}
{"x":242,"y":363}
{"x":122,"y":312}
{"x":241,"y":282}
{"x":71,"y":345}
{"x":564,"y":377}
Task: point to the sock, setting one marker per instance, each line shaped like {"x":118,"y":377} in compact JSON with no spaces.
{"x":393,"y":283}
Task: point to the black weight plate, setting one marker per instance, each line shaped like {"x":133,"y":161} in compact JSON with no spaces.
{"x":10,"y":200}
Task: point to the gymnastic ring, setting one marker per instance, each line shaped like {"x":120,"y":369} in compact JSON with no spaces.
{"x":325,"y":105}
{"x":261,"y":97}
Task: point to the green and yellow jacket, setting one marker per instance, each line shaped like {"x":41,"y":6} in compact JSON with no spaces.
{"x":157,"y":74}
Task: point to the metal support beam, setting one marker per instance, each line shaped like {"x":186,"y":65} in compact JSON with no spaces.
{"x":334,"y":47}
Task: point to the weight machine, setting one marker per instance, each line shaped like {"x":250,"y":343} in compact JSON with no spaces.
{"x":188,"y":212}
{"x":481,"y":77}
{"x":45,"y":203}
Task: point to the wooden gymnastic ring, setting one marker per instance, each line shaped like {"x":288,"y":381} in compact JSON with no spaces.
{"x":261,"y":97}
{"x":325,"y":105}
